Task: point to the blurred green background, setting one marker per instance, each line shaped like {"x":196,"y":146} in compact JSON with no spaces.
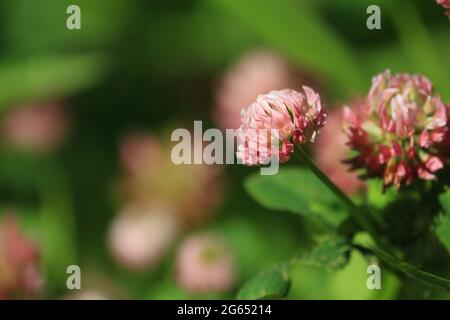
{"x":151,"y":66}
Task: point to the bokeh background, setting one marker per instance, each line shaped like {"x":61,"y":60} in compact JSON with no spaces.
{"x":86,"y":116}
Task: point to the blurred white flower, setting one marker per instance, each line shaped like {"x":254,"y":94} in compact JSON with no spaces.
{"x":139,"y":237}
{"x":205,"y":264}
{"x":89,"y":294}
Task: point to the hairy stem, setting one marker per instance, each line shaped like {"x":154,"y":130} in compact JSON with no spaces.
{"x":356,"y":212}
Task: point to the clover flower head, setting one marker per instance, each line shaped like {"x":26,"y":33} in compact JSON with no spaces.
{"x":276,"y":122}
{"x":401,"y":131}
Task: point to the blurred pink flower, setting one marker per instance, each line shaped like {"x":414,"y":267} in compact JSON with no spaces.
{"x":139,"y":237}
{"x":401,"y":133}
{"x":35,"y":127}
{"x":139,"y":152}
{"x":19,"y":258}
{"x":296,"y":117}
{"x":446,"y":5}
{"x":330,"y":152}
{"x":256,"y":72}
{"x":205,"y":264}
{"x":150,"y":176}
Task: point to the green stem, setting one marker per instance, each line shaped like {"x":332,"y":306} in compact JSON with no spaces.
{"x":354,"y":210}
{"x":58,"y":223}
{"x":425,"y":277}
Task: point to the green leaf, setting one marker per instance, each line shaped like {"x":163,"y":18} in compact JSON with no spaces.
{"x":444,"y":199}
{"x":443,"y":230}
{"x":270,"y":284}
{"x":443,"y":224}
{"x":297,"y":29}
{"x":349,"y":282}
{"x":298,"y":191}
{"x":429,"y":279}
{"x":375,"y":195}
{"x":332,"y":252}
{"x":47,"y":77}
